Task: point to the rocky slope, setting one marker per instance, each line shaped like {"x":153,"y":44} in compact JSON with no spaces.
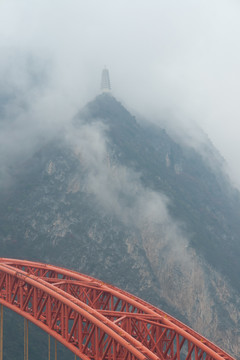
{"x":128,"y":204}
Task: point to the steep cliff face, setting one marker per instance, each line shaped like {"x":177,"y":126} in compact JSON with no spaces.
{"x":127,"y":204}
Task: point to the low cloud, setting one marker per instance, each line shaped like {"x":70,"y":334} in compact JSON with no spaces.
{"x":120,"y":193}
{"x":185,"y":58}
{"x":30,"y":114}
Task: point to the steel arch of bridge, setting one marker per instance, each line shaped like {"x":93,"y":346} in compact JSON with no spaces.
{"x":96,"y":320}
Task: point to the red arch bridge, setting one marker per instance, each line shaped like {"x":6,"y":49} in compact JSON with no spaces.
{"x":96,"y":320}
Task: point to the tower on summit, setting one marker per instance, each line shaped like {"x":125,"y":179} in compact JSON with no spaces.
{"x":105,"y":81}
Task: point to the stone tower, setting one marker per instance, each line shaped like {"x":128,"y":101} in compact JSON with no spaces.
{"x":105,"y":82}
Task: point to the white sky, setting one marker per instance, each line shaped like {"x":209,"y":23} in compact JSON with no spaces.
{"x":181,"y":56}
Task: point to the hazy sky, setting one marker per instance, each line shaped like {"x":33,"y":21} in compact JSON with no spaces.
{"x":165,"y":56}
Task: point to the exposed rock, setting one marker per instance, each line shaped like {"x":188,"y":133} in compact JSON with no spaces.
{"x":129,"y":205}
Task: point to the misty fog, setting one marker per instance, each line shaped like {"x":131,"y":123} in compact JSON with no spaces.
{"x":174,"y":57}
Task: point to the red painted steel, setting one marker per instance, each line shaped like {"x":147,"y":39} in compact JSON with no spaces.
{"x":96,"y":320}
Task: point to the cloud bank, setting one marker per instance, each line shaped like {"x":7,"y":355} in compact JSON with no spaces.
{"x":179,"y":57}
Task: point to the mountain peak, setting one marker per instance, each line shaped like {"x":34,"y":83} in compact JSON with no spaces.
{"x":107,"y":109}
{"x":132,"y":206}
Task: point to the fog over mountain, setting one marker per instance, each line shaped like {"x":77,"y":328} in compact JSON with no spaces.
{"x":123,"y":201}
{"x":166,"y":57}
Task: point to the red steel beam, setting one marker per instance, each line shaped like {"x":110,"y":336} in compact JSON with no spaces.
{"x":113,"y":331}
{"x":103,"y":298}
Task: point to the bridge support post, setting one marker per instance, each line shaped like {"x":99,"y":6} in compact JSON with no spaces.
{"x":25,"y":339}
{"x":1,"y":333}
{"x":55,"y":349}
{"x":49,"y":347}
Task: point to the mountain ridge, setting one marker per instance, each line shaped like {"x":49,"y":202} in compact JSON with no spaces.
{"x":191,"y":179}
{"x":109,"y":199}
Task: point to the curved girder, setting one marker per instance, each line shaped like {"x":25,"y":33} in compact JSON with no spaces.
{"x":96,"y":320}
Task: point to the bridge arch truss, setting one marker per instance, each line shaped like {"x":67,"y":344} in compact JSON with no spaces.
{"x":96,"y":320}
